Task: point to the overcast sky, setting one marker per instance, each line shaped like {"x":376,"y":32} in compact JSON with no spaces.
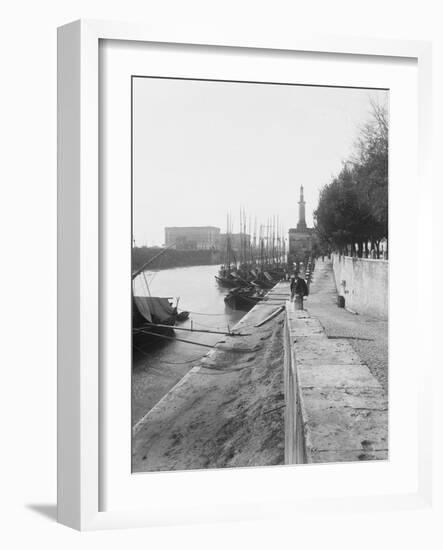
{"x":202,"y":149}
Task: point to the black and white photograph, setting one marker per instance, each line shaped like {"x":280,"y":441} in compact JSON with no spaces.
{"x":228,"y":217}
{"x":259,"y":274}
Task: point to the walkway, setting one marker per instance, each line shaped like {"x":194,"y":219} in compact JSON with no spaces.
{"x":368,"y":336}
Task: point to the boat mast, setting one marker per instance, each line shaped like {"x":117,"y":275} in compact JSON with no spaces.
{"x":145,"y":265}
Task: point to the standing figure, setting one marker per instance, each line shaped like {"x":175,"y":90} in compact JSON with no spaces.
{"x":299,"y":289}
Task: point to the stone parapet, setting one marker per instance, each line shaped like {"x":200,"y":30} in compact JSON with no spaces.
{"x":338,"y":411}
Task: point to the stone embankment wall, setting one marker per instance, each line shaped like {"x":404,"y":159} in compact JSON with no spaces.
{"x":172,"y":258}
{"x":336,"y":411}
{"x":363,"y":283}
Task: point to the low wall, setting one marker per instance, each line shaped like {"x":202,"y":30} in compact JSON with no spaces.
{"x":336,"y":411}
{"x":363,"y":283}
{"x":295,"y":450}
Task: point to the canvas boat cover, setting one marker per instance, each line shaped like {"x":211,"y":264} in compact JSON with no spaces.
{"x":152,"y":309}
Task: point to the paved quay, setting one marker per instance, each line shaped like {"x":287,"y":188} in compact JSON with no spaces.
{"x":228,"y":410}
{"x":340,"y":409}
{"x":367,"y":336}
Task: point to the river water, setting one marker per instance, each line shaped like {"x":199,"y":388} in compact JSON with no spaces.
{"x":163,"y":364}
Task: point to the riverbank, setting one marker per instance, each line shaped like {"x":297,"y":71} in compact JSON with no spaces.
{"x":163,"y":364}
{"x":228,"y":411}
{"x":161,"y":258}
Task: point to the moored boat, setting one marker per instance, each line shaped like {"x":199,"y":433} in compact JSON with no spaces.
{"x":243,"y":298}
{"x":153,"y":316}
{"x":228,"y":282}
{"x":147,"y":313}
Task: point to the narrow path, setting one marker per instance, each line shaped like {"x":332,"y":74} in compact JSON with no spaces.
{"x":368,"y":336}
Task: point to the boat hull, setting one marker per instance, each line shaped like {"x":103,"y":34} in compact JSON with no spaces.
{"x":226,"y":282}
{"x":239,"y":299}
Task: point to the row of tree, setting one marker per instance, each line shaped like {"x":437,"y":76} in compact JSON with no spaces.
{"x":353,"y":208}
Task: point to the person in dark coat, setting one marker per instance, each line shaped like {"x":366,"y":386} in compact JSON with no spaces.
{"x":298,"y":287}
{"x":292,"y":287}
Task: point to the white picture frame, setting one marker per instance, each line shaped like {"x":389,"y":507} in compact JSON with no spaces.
{"x":79,"y":254}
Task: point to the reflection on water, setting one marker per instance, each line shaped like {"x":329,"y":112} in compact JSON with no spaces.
{"x":164,"y":363}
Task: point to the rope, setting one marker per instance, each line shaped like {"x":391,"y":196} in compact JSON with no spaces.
{"x":193,"y":342}
{"x":183,"y":362}
{"x":146,"y":283}
{"x":152,"y":368}
{"x":233,"y":330}
{"x":160,"y":262}
{"x":223,"y":327}
{"x":169,"y":362}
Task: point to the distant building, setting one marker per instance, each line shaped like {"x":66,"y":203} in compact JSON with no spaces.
{"x":238,"y":241}
{"x":301,"y":238}
{"x":192,"y":238}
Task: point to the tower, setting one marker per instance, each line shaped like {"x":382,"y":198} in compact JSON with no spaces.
{"x":301,"y":238}
{"x":301,"y":225}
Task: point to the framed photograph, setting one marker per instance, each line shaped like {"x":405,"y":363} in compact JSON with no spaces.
{"x":241,"y":223}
